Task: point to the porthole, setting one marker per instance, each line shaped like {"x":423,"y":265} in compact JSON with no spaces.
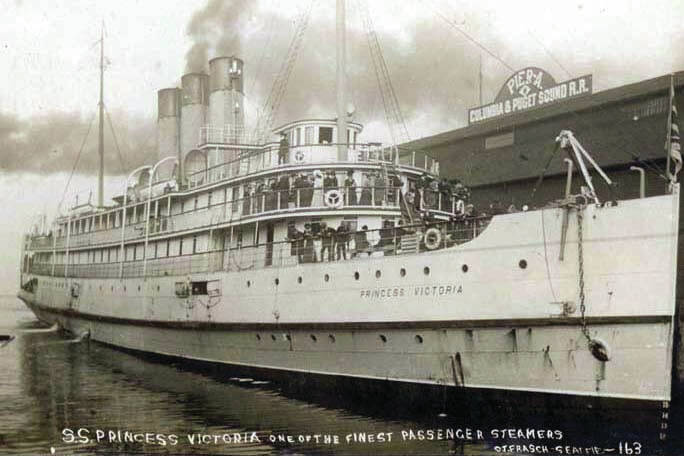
{"x":124,"y":287}
{"x":522,"y":264}
{"x":277,"y":282}
{"x":383,"y":338}
{"x":158,"y":288}
{"x":249,"y":283}
{"x":313,"y":337}
{"x":258,"y":336}
{"x":356,"y":275}
{"x":138,"y":287}
{"x":418,"y":339}
{"x":331,"y":338}
{"x":464,"y":268}
{"x":326,"y":277}
{"x":402,"y":272}
{"x":273,"y":337}
{"x":426,"y":270}
{"x":378,"y":274}
{"x":299,"y":279}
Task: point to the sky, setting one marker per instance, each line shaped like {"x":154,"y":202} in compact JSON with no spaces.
{"x":434,"y":50}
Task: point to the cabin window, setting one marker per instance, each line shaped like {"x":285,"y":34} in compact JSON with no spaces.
{"x":298,"y":142}
{"x":168,"y":247}
{"x":195,"y":203}
{"x":325,"y":135}
{"x":156,"y":249}
{"x":309,"y":135}
{"x":182,"y":206}
{"x":180,"y":246}
{"x":209,"y":195}
{"x":194,"y":244}
{"x":199,"y":288}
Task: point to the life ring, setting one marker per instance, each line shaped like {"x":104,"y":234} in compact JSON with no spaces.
{"x":299,"y":156}
{"x":432,"y":239}
{"x":334,"y":199}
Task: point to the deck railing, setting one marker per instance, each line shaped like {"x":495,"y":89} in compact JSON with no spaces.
{"x":303,"y":249}
{"x":271,"y":156}
{"x":257,"y":204}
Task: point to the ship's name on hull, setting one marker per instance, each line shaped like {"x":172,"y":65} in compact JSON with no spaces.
{"x":413,"y":291}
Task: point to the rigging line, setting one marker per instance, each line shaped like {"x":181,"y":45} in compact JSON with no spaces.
{"x":257,"y":69}
{"x":546,"y":168}
{"x":546,"y":257}
{"x":116,"y":142}
{"x":546,"y":50}
{"x":470,"y":38}
{"x":650,"y":166}
{"x":78,"y":157}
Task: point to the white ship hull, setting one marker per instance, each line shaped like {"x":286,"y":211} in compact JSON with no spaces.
{"x":498,"y":325}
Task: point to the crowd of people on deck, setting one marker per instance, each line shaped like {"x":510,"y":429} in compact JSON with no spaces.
{"x":308,"y":189}
{"x":320,"y":242}
{"x":360,"y":188}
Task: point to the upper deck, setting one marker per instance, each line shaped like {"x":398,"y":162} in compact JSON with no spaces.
{"x":229,"y":184}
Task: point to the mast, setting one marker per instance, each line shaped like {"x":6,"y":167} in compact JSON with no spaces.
{"x":100,"y":143}
{"x":340,"y":83}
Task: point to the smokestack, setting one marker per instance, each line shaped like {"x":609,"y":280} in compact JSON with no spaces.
{"x":226,"y":100}
{"x":194,"y":102}
{"x":168,"y":113}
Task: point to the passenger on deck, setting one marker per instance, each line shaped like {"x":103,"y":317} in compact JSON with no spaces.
{"x":330,"y":182}
{"x":309,"y":252}
{"x":271,"y":199}
{"x":283,"y":149}
{"x":365,"y":199}
{"x":341,"y":240}
{"x":306,"y":192}
{"x":327,"y":236}
{"x":395,"y":185}
{"x":386,"y":242}
{"x":496,"y":208}
{"x":445,"y":195}
{"x":296,"y":239}
{"x":361,"y":241}
{"x":297,"y":187}
{"x":379,"y":186}
{"x":350,"y":189}
{"x":258,"y":197}
{"x":246,"y":199}
{"x":317,"y":199}
{"x":283,"y":189}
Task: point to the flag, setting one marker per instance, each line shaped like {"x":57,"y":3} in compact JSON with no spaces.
{"x":673,"y":145}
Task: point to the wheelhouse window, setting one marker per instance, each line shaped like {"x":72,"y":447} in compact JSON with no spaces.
{"x":325,"y":135}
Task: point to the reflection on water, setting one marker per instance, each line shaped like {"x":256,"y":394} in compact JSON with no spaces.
{"x":52,"y":389}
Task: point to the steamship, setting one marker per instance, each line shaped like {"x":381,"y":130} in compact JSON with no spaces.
{"x":223,"y":252}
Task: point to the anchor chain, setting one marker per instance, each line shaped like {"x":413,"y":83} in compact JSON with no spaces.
{"x":580,"y":261}
{"x":597,"y":348}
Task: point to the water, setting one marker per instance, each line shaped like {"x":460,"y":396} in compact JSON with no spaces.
{"x":61,"y":395}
